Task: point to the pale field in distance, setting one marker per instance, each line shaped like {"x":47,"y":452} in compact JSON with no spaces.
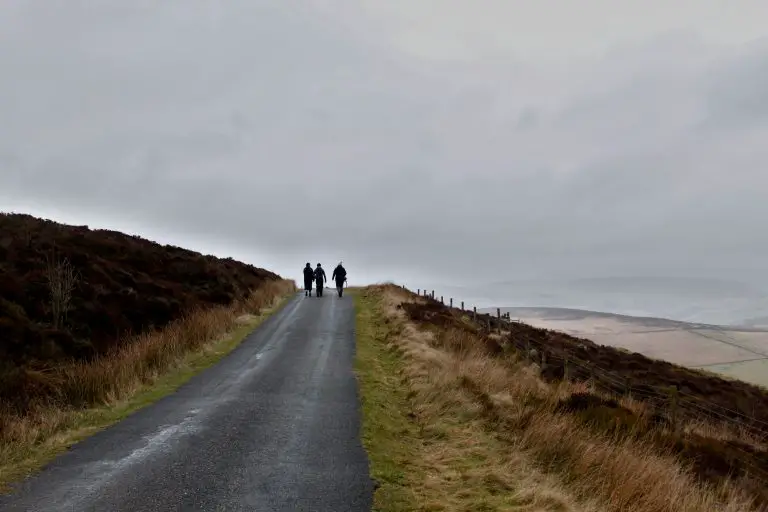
{"x":728,"y":351}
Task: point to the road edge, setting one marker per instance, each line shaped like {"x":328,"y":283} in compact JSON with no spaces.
{"x":389,"y":436}
{"x":92,"y":420}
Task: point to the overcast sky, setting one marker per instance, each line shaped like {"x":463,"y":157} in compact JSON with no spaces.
{"x":416,"y":140}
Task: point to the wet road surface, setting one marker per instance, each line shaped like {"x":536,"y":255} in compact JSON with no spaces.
{"x":274,"y":426}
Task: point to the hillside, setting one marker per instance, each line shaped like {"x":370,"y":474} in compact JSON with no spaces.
{"x":736,"y":352}
{"x":556,"y":422}
{"x":121,"y":285}
{"x":580,"y":314}
{"x":617,"y":368}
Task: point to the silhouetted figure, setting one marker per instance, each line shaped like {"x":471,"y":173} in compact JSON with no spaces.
{"x":309,"y":276}
{"x":320,"y":278}
{"x":340,"y":276}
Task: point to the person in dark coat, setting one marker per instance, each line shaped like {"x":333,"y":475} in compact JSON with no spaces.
{"x":309,"y":276}
{"x":320,"y":278}
{"x":340,"y":276}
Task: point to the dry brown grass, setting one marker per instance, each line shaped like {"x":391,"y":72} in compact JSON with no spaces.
{"x":72,"y":395}
{"x":494,"y":440}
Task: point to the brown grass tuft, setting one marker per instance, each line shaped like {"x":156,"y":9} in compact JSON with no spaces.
{"x":484,"y":415}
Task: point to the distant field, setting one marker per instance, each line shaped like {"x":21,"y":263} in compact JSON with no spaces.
{"x":740,"y":353}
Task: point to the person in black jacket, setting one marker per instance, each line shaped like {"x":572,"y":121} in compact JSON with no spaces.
{"x":309,"y":276}
{"x":320,"y":278}
{"x":340,"y":276}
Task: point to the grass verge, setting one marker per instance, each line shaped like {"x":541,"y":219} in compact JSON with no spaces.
{"x":389,"y":436}
{"x":429,"y":445}
{"x":93,"y":396}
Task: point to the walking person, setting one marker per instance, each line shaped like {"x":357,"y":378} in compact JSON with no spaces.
{"x":309,"y":276}
{"x":340,"y":276}
{"x":320,"y":278}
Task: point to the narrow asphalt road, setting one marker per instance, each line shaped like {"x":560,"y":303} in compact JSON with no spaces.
{"x":273,"y":426}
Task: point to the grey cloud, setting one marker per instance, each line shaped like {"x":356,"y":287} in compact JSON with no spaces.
{"x":272,"y":129}
{"x":528,"y":118}
{"x":737,"y":96}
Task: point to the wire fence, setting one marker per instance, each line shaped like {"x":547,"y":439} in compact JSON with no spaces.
{"x":667,"y":399}
{"x":669,"y":402}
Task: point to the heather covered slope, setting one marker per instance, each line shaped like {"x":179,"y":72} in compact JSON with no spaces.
{"x":701,"y":393}
{"x":460,"y":417}
{"x":122,"y":285}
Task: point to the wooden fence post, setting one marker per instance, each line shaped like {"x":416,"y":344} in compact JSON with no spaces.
{"x":418,"y":291}
{"x":489,"y":323}
{"x":474,"y":313}
{"x":673,"y":409}
{"x":462,"y":305}
{"x":433,"y":294}
{"x":627,"y":387}
{"x":441,"y":300}
{"x":543,"y":363}
{"x":566,"y":377}
{"x":451,"y":302}
{"x":498,"y":318}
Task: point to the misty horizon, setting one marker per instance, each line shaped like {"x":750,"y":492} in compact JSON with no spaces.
{"x":417,"y":142}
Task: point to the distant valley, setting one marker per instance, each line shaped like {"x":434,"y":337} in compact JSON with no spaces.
{"x":739,"y":352}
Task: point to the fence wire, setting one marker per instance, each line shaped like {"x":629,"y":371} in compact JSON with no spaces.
{"x":663,"y":398}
